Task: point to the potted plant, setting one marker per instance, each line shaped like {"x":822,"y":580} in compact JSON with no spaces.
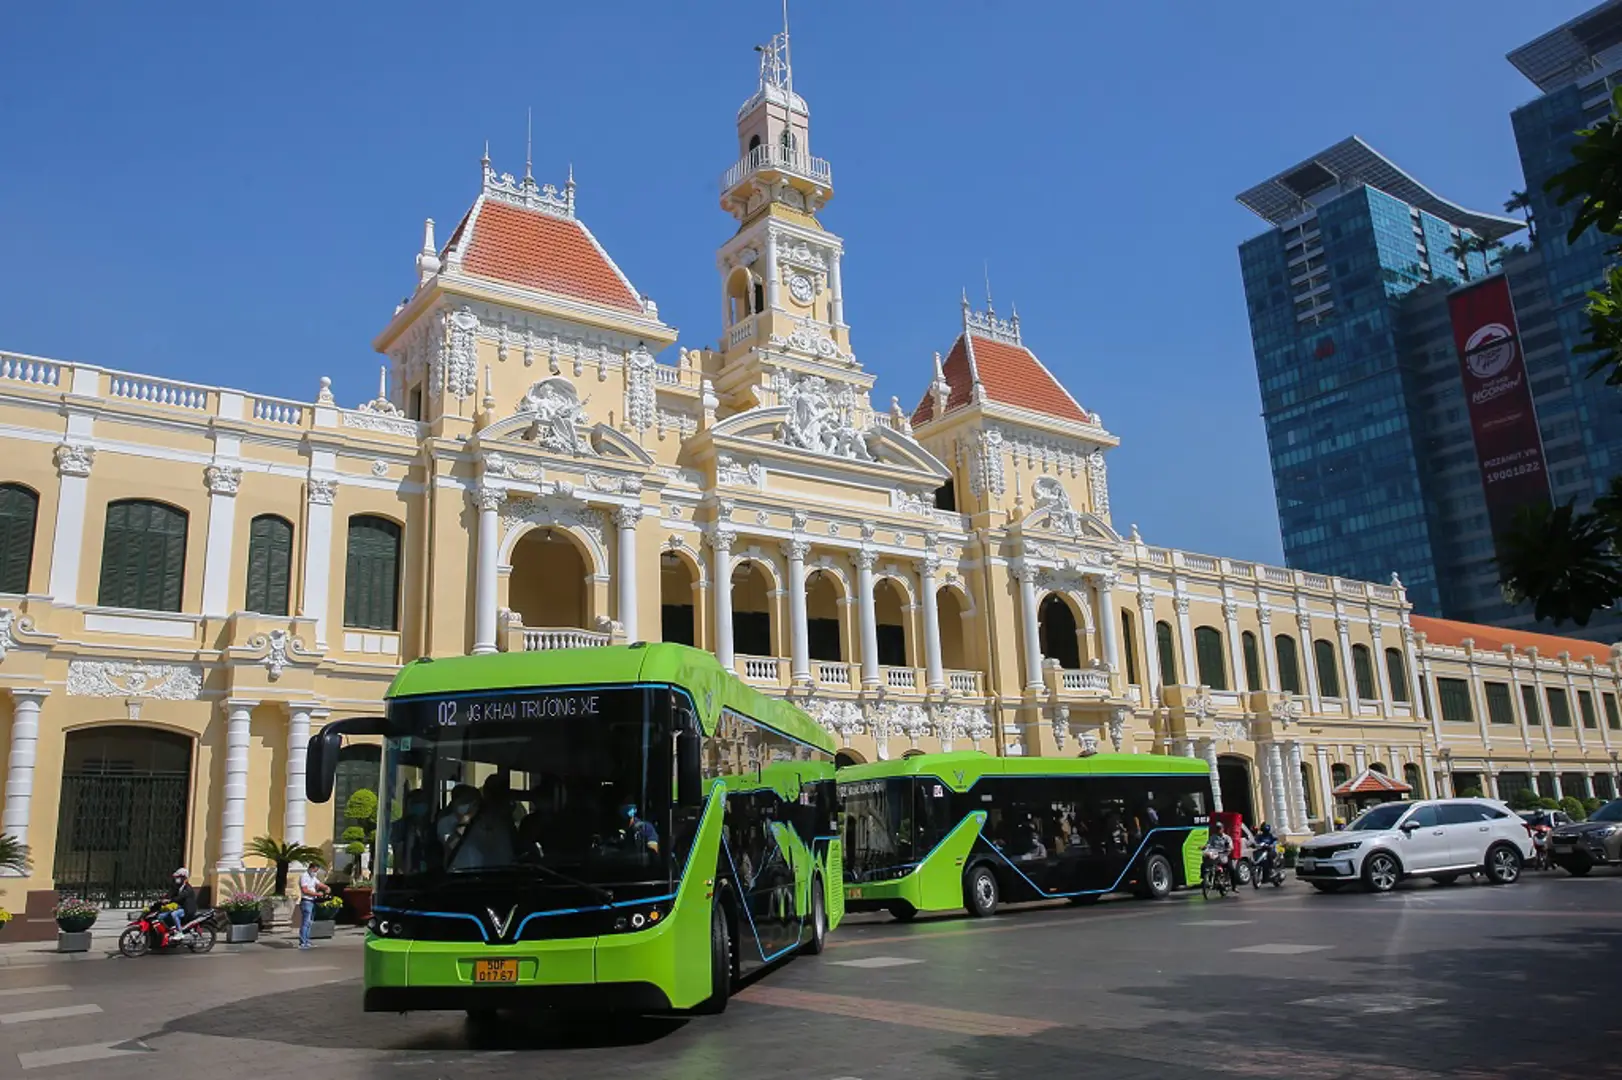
{"x":242,"y":910}
{"x":74,"y":918}
{"x":14,"y":856}
{"x":278,"y":906}
{"x":5,"y":917}
{"x":325,"y":921}
{"x":358,"y":898}
{"x":357,"y":838}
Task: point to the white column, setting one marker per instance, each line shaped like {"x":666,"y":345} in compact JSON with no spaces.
{"x":1032,"y":636}
{"x":318,"y":555}
{"x":1574,"y":705}
{"x":484,"y":602}
{"x":1208,"y":751}
{"x":867,"y":618}
{"x":1151,"y":648}
{"x":934,"y":675}
{"x":20,"y":761}
{"x":1360,"y":760}
{"x":1382,"y":675}
{"x":1236,"y":645}
{"x":799,"y":646}
{"x":625,"y":519}
{"x":771,"y":271}
{"x":234,"y":807}
{"x":1308,"y":660}
{"x":1326,"y":785}
{"x":73,"y":461}
{"x":1343,"y":631}
{"x":1432,"y":789}
{"x":721,"y":584}
{"x":1281,"y":790}
{"x":1185,"y":644}
{"x":836,"y":291}
{"x":1108,"y":619}
{"x":1264,"y":774}
{"x":223,"y":481}
{"x":1297,"y":789}
{"x":1269,"y":650}
{"x":298,"y":748}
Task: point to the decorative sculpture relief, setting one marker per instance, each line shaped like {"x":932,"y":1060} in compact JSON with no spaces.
{"x":112,"y":678}
{"x":75,"y":459}
{"x":1285,"y":711}
{"x":728,"y":470}
{"x":453,"y":367}
{"x":910,"y":502}
{"x":223,"y":479}
{"x":322,"y":491}
{"x":558,"y":416}
{"x":911,"y":720}
{"x":11,"y":620}
{"x":1201,"y":707}
{"x":377,"y":421}
{"x":810,"y":339}
{"x":1098,"y":477}
{"x":552,"y":511}
{"x":987,"y":472}
{"x":614,"y":485}
{"x":1089,"y":743}
{"x":843,"y":718}
{"x":277,"y":645}
{"x":1117,"y":727}
{"x":820,"y":420}
{"x":502,"y":466}
{"x":641,"y":406}
{"x":1230,"y":731}
{"x":1061,"y":726}
{"x":1049,"y":494}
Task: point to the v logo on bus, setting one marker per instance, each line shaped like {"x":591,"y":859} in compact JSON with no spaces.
{"x":958,"y":774}
{"x":498,"y":924}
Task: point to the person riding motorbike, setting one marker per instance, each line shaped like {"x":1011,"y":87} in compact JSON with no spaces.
{"x":1266,"y":855}
{"x":1541,"y":826}
{"x":184,"y":897}
{"x":1219,"y":852}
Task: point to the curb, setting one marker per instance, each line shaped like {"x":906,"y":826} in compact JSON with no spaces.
{"x":44,"y":954}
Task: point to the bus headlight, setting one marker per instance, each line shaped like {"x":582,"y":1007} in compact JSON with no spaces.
{"x":640,"y":919}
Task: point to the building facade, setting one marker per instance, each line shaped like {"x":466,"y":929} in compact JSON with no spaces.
{"x":196,"y":577}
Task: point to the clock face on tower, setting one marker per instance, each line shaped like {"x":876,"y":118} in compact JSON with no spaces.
{"x":799,"y":287}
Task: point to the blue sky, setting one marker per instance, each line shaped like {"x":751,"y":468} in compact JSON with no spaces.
{"x":236,"y":197}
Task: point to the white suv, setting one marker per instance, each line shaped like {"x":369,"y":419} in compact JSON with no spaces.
{"x":1435,"y":838}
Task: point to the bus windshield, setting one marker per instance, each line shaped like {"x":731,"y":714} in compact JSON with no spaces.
{"x":564,"y":788}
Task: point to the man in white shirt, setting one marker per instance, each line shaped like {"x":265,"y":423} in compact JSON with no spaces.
{"x":310,"y":891}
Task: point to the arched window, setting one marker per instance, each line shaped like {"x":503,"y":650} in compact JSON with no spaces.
{"x":270,"y":564}
{"x":1379,"y":767}
{"x":788,"y":146}
{"x":372,"y":574}
{"x":754,"y":143}
{"x":143,"y":556}
{"x":1410,"y":776}
{"x":1306,"y":790}
{"x":1397,"y":672}
{"x":1339,"y":774}
{"x":760,"y":298}
{"x":1289,"y":664}
{"x":1056,"y":629}
{"x":1363,"y":670}
{"x":1253,"y":662}
{"x":19,"y":510}
{"x":946,"y":497}
{"x":1168,"y":656}
{"x":1323,"y":656}
{"x":1129,"y":648}
{"x":1208,"y":654}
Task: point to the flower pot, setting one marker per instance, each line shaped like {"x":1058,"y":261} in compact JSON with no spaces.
{"x":76,"y":925}
{"x":73,"y":941}
{"x":243,"y":918}
{"x":360,"y":902}
{"x":322,"y":928}
{"x":241,"y":933}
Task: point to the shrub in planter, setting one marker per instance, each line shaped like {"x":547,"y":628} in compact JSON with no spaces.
{"x":73,"y":915}
{"x":327,"y":910}
{"x":5,"y":917}
{"x":242,"y":908}
{"x":1573,"y":806}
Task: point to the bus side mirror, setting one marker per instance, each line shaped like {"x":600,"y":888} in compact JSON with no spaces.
{"x":689,"y":768}
{"x":321,"y":760}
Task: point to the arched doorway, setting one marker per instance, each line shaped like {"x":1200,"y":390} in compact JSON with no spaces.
{"x":891,"y":620}
{"x":848,"y":757}
{"x":126,"y":799}
{"x":548,"y":583}
{"x":751,"y":610}
{"x":824,"y":637}
{"x":360,"y":767}
{"x":677,"y":603}
{"x":1233,"y":777}
{"x":1056,"y":624}
{"x":950,"y":610}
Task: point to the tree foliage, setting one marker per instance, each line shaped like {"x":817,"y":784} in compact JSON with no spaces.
{"x":283,"y":855}
{"x":14,"y":855}
{"x":1564,"y":562}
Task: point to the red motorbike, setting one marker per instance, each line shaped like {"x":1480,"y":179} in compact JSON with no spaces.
{"x":154,"y":931}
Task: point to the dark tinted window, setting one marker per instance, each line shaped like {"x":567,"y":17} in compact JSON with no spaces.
{"x":1425,"y":817}
{"x":1462,"y":813}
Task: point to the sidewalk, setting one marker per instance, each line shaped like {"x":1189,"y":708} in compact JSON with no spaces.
{"x":104,"y":946}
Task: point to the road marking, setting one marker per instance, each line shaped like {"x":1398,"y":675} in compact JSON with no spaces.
{"x":22,"y":990}
{"x":1219,"y":922}
{"x":48,"y":1014}
{"x":1370,"y":1003}
{"x":301,"y":970}
{"x":875,"y":962}
{"x":1003,"y":924}
{"x":72,"y":1055}
{"x":955,"y":1021}
{"x":1281,"y":949}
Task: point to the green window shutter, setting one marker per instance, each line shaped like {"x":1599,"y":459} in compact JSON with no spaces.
{"x":1253,"y":663}
{"x":1559,"y":708}
{"x":1363,"y":669}
{"x":1529,"y":705}
{"x":19,"y":510}
{"x":1585,"y":701}
{"x":1454,"y":695}
{"x":1397,"y":672}
{"x":1289,"y":664}
{"x":143,"y":558}
{"x":1612,"y":719}
{"x":1129,"y":648}
{"x":1500,"y":706}
{"x":1323,"y":655}
{"x":1208,"y":654}
{"x":372,"y":574}
{"x":1168,"y":654}
{"x":270,"y":561}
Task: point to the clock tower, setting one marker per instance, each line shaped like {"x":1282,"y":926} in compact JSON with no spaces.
{"x":782,"y":302}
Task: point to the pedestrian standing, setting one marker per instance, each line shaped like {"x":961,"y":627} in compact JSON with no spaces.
{"x":310,"y":890}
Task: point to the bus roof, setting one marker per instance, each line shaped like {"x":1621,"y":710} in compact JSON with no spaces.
{"x":694,"y":670}
{"x":962,"y":769}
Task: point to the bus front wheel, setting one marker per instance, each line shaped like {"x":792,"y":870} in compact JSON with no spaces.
{"x":980,"y":892}
{"x":720,"y":962}
{"x":819,"y":920}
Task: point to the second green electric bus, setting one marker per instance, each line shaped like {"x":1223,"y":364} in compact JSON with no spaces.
{"x":622,"y":827}
{"x":937,"y":832}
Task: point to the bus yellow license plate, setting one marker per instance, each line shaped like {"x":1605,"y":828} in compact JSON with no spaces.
{"x":495,"y":971}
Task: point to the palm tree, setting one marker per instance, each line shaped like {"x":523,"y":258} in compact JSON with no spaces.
{"x":1564,"y":561}
{"x":1469,"y":244}
{"x":283,"y":855}
{"x":14,"y":855}
{"x":1520,"y":203}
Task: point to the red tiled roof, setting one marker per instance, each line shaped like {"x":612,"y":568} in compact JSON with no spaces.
{"x":1011,"y":374}
{"x":541,"y":251}
{"x":1372,"y":782}
{"x":1448,"y":632}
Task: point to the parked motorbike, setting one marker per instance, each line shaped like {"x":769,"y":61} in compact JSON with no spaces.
{"x":153,"y":931}
{"x":1269,"y":865}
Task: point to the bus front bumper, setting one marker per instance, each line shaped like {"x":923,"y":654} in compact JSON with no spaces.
{"x":592,"y":997}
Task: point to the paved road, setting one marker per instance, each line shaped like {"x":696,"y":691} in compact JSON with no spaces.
{"x":1427,"y":982}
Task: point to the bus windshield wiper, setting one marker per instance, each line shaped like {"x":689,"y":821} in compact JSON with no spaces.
{"x":608,"y":897}
{"x":519,"y":868}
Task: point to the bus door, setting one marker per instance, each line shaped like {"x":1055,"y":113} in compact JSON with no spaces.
{"x":762,"y":850}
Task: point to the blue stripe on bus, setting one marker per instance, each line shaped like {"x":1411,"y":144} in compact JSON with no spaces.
{"x":1089,"y":892}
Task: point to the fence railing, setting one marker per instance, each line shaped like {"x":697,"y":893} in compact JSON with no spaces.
{"x":157,"y":391}
{"x":28,"y":369}
{"x":545,"y":638}
{"x":761,"y":669}
{"x":1084,"y":679}
{"x":964,"y":682}
{"x":831,"y":673}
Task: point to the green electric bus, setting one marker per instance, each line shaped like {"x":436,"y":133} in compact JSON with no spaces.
{"x":623,"y":827}
{"x":936,"y":832}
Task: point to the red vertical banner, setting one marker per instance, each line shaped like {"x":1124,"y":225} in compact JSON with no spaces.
{"x":1503,"y":419}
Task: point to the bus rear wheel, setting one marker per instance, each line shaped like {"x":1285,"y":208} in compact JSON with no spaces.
{"x":980,"y":892}
{"x":1155,"y":883}
{"x":720,"y":962}
{"x":819,"y":920}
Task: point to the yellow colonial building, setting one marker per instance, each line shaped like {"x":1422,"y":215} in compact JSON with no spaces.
{"x":192,"y":578}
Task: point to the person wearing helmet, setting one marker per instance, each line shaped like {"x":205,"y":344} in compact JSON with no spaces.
{"x":184,"y":897}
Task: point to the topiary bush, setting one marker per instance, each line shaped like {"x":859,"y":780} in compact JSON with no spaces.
{"x":1573,"y":806}
{"x":1547,"y":803}
{"x":1524,"y":799}
{"x":1470,"y":793}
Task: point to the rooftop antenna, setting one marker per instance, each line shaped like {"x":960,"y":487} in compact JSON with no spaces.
{"x":788,"y":66}
{"x":529,"y":143}
{"x":989,"y":309}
